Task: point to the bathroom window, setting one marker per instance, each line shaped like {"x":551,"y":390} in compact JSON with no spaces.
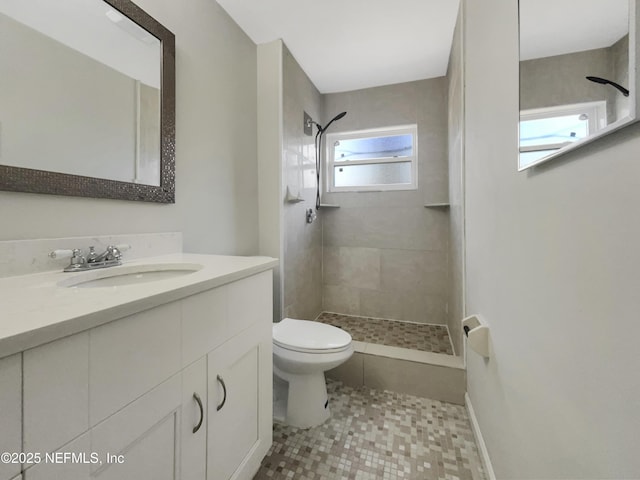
{"x":369,"y":160}
{"x":545,"y":130}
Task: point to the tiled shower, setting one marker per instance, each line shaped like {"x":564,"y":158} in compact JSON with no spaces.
{"x":381,"y":255}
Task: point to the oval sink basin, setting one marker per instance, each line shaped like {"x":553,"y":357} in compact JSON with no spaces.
{"x":129,"y":275}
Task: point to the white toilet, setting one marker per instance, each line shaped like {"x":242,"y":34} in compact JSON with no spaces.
{"x":302,"y":352}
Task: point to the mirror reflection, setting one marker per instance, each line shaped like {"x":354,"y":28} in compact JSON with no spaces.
{"x":79,"y":91}
{"x":562,"y":42}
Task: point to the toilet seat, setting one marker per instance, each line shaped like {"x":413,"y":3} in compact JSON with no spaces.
{"x":310,"y":337}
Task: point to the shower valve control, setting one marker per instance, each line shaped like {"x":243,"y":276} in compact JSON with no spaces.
{"x":311,"y":215}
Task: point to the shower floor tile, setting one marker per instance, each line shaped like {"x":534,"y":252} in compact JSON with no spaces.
{"x":376,"y":435}
{"x":393,"y":333}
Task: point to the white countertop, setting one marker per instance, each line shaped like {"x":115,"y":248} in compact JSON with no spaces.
{"x":34,"y":309}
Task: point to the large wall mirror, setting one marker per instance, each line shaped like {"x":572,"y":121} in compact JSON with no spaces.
{"x":87,"y":100}
{"x":578,"y":82}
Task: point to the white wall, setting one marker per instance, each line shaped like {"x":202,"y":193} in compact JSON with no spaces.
{"x":455,"y":87}
{"x":216,"y":167}
{"x":270,"y":140}
{"x":552,"y":263}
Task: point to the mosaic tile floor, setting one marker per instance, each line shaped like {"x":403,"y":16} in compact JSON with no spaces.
{"x":377,"y":435}
{"x":394,"y":333}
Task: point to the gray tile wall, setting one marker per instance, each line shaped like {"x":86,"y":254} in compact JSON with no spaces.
{"x":302,"y":261}
{"x":560,"y":80}
{"x":385,"y":254}
{"x":456,"y":189}
{"x":620,"y":59}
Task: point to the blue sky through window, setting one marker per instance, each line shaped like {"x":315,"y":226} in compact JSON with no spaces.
{"x":374,"y":148}
{"x":553,"y":130}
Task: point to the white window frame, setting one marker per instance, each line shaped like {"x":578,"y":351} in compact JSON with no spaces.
{"x":368,"y":133}
{"x":597,"y":112}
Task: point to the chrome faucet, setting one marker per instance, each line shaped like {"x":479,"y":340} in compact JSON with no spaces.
{"x":111,"y":257}
{"x":110,"y":254}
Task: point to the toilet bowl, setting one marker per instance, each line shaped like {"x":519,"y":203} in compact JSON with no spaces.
{"x":302,"y":352}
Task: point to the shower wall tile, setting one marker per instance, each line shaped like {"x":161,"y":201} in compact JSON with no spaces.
{"x":302,"y":260}
{"x":403,"y":244}
{"x":341,"y":299}
{"x":406,"y":228}
{"x":433,"y":306}
{"x":353,"y":266}
{"x":350,"y":372}
{"x":331,"y":266}
{"x":550,"y":81}
{"x":445,"y":384}
{"x":379,"y":304}
{"x":619,"y":52}
{"x":386,"y":283}
{"x":418,"y":271}
{"x":403,"y":305}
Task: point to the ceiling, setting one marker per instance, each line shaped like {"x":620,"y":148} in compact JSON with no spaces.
{"x":349,"y":45}
{"x":555,"y":27}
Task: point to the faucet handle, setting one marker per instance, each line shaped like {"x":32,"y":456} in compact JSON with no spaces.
{"x":77,"y":257}
{"x":91,"y":256}
{"x":117,"y":250}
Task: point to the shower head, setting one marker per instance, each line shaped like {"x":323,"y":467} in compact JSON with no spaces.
{"x":604,"y":81}
{"x":337,"y":117}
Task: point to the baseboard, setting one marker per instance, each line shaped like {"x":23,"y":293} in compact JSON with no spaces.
{"x":482,"y":448}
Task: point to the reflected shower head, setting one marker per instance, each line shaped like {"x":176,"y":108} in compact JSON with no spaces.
{"x":604,"y":81}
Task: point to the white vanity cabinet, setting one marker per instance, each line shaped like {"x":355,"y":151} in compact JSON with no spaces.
{"x":147,"y":435}
{"x":194,"y":421}
{"x":10,"y":413}
{"x":55,"y":393}
{"x":236,"y":382}
{"x":145,"y":392}
{"x":240,"y":385}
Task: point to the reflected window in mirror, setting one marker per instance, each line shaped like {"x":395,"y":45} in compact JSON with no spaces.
{"x":562,"y":42}
{"x":544,"y":131}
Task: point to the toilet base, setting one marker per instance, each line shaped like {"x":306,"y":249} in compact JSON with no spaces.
{"x":307,"y":400}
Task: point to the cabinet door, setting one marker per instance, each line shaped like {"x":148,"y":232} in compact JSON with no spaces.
{"x":194,"y":417}
{"x":65,"y":469}
{"x":240,"y":386}
{"x":56,"y":393}
{"x":10,"y":412}
{"x":129,"y":357}
{"x":145,"y":434}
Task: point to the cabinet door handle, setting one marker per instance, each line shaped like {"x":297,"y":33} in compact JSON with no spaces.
{"x":196,"y":397}
{"x":224,"y":390}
